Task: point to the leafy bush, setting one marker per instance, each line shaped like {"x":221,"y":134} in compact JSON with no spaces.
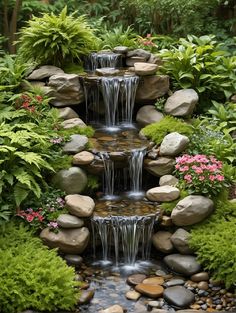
{"x":33,"y":277}
{"x":157,"y":131}
{"x":52,"y":39}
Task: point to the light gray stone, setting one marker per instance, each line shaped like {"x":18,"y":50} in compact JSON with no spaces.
{"x":181,"y":103}
{"x":179,"y":296}
{"x":121,"y":49}
{"x":168,"y":180}
{"x":78,"y":205}
{"x":148,"y":114}
{"x":173,"y":144}
{"x":83,"y":158}
{"x":72,"y":180}
{"x":183,"y":264}
{"x":151,"y":88}
{"x":133,"y":295}
{"x":45,"y":71}
{"x":72,"y":241}
{"x":163,"y":194}
{"x":73,"y":259}
{"x":73,"y":122}
{"x":76,"y":144}
{"x":143,"y":69}
{"x":159,"y":167}
{"x":107,"y":71}
{"x":69,"y":221}
{"x":192,"y":210}
{"x":139,"y":53}
{"x":132,"y":60}
{"x":67,"y":113}
{"x":161,"y":241}
{"x":113,"y":309}
{"x":180,"y":241}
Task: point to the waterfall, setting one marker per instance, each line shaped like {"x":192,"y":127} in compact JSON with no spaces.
{"x":136,"y":169}
{"x":130,"y":85}
{"x":100,"y":60}
{"x":109,"y":175}
{"x":131,"y":231}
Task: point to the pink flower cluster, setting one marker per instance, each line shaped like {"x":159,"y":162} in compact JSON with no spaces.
{"x":56,"y":141}
{"x":30,"y":215}
{"x":199,"y":172}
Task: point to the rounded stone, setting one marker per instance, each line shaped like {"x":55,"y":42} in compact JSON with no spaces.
{"x":202,"y":276}
{"x":67,"y":113}
{"x":143,"y":69}
{"x":83,"y":158}
{"x":73,"y":122}
{"x":152,"y":291}
{"x":179,"y":296}
{"x":180,"y":241}
{"x":203,"y":285}
{"x":113,"y":309}
{"x":183,"y":264}
{"x":163,"y":194}
{"x":45,"y":71}
{"x":148,"y":114}
{"x":159,"y":167}
{"x":136,"y":279}
{"x":78,"y":205}
{"x":73,"y":259}
{"x":173,"y":144}
{"x":168,"y":180}
{"x":69,"y":221}
{"x":133,"y":295}
{"x":121,"y":49}
{"x":76,"y":144}
{"x":153,"y":281}
{"x":161,"y":241}
{"x":174,"y":282}
{"x":86,"y":296}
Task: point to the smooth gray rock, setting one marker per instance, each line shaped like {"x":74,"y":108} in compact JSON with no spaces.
{"x":192,"y":210}
{"x":121,"y":49}
{"x":163,"y":194}
{"x":132,"y":60}
{"x":73,"y":122}
{"x":179,"y":296}
{"x":67,"y":113}
{"x":161,"y":241}
{"x":151,"y":88}
{"x":81,"y":206}
{"x":139,"y":53}
{"x":76,"y":144}
{"x":174,"y":282}
{"x":180,"y":241}
{"x":107,"y":71}
{"x":72,"y":180}
{"x":45,"y":71}
{"x":181,"y":103}
{"x":148,"y":114}
{"x":168,"y":180}
{"x":83,"y":158}
{"x":159,"y":167}
{"x":183,"y":264}
{"x":69,"y":221}
{"x":143,"y":69}
{"x":73,"y":259}
{"x":72,"y":241}
{"x":173,"y":144}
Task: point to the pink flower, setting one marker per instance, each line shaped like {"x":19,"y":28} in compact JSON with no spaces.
{"x":201,"y":178}
{"x":149,"y":35}
{"x":198,"y":170}
{"x":184,"y":168}
{"x":220,"y":177}
{"x":188,"y":178}
{"x":29,"y":218}
{"x":212,"y":177}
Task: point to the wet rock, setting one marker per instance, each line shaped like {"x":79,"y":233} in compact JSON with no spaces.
{"x":45,"y":71}
{"x":107,"y":71}
{"x":175,"y":282}
{"x":161,"y":273}
{"x":76,"y":144}
{"x":151,"y":88}
{"x":168,"y":180}
{"x":181,"y":103}
{"x":72,"y":241}
{"x":83,"y":158}
{"x":159,"y":167}
{"x":152,"y":291}
{"x":121,"y":49}
{"x":163,"y":194}
{"x":67,"y":113}
{"x":86,"y":296}
{"x":179,"y":296}
{"x":132,"y":60}
{"x":161,"y":241}
{"x":69,"y":221}
{"x":166,"y":221}
{"x":81,"y":206}
{"x":73,"y":259}
{"x":139,"y":53}
{"x":192,"y":210}
{"x":180,"y":241}
{"x":173,"y":144}
{"x":183,"y":264}
{"x":136,"y":279}
{"x":66,"y":90}
{"x":73,"y":122}
{"x":143,"y":69}
{"x":153,"y":280}
{"x":73,"y":180}
{"x":148,"y":114}
{"x":118,"y":156}
{"x":133,"y":295}
{"x":202,"y":276}
{"x":113,"y":309}
{"x":203,"y":285}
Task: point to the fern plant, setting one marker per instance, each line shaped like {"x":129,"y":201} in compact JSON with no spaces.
{"x":53,"y":39}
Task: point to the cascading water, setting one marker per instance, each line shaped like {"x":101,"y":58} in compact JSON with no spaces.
{"x":109,"y":175}
{"x":136,"y":170}
{"x":100,"y":60}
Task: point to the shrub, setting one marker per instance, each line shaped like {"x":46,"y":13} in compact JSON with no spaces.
{"x":33,"y":277}
{"x":157,"y":131}
{"x":52,"y":39}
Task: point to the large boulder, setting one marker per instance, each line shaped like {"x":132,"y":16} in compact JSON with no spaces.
{"x":73,"y":122}
{"x":159,"y":167}
{"x":163,"y":194}
{"x":161,"y":241}
{"x":45,"y":71}
{"x":67,"y":113}
{"x":83,"y":158}
{"x":67,"y":90}
{"x":192,"y":210}
{"x":168,"y":180}
{"x":173,"y":144}
{"x":148,"y":114}
{"x":72,"y":241}
{"x":151,"y":88}
{"x":181,"y":103}
{"x":179,"y":296}
{"x":182,"y":264}
{"x":143,"y":69}
{"x":139,"y":53}
{"x":81,"y":206}
{"x":180,"y":241}
{"x":72,"y":180}
{"x":76,"y":144}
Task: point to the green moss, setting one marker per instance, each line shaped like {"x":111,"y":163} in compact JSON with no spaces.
{"x":157,"y":131}
{"x":31,"y":276}
{"x":87,"y":131}
{"x":169,"y":206}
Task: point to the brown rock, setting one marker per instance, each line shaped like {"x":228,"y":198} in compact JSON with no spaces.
{"x":166,"y":221}
{"x":85,"y":296}
{"x":161,"y":241}
{"x":159,"y":167}
{"x":133,"y":295}
{"x":113,"y":309}
{"x":81,"y":206}
{"x":153,"y":281}
{"x":202,"y":276}
{"x":203,"y":285}
{"x":136,"y":279}
{"x":153,"y":291}
{"x":83,"y":158}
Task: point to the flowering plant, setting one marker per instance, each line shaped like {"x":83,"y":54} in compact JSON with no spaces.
{"x":53,"y":226}
{"x":200,"y":174}
{"x":147,"y":42}
{"x":34,"y":218}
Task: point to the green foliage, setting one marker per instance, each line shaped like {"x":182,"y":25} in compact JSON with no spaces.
{"x":52,"y":39}
{"x":92,"y":185}
{"x":157,"y":131}
{"x":87,"y":131}
{"x":169,"y":206}
{"x":224,"y":113}
{"x":33,"y":276}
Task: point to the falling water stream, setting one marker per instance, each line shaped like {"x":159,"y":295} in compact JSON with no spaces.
{"x":100,"y":60}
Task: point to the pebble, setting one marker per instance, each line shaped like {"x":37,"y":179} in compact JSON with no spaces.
{"x":174,"y":282}
{"x":136,"y":279}
{"x":113,"y":309}
{"x":202,"y":276}
{"x":160,"y":273}
{"x":133,"y":295}
{"x":153,"y":281}
{"x":152,"y":291}
{"x":203,"y":285}
{"x":154,"y":304}
{"x":85,"y":296}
